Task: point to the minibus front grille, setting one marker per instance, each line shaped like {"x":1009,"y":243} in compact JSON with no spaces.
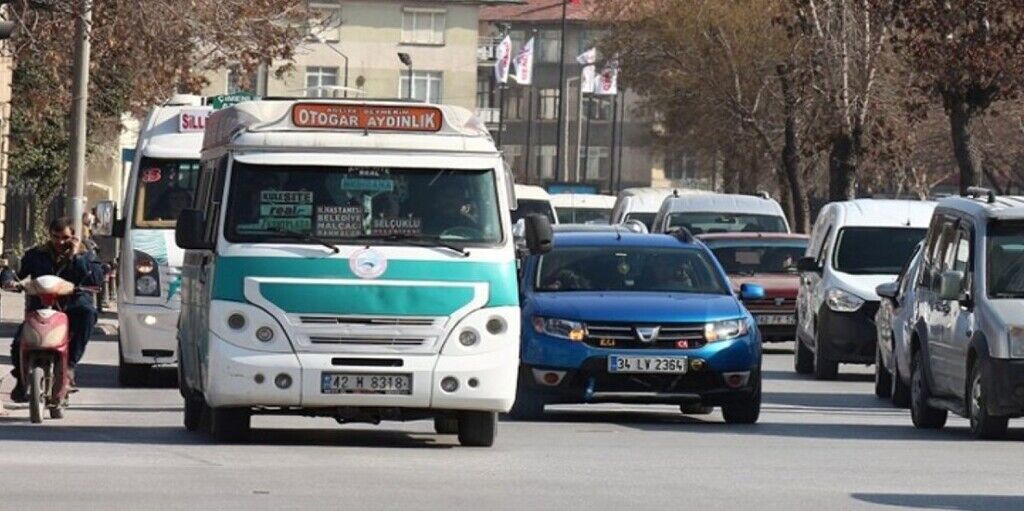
{"x":363,"y":341}
{"x":371,"y":321}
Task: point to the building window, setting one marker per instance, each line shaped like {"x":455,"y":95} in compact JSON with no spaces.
{"x":595,"y":160}
{"x":320,"y":80}
{"x":548,"y":44}
{"x":238,"y":81}
{"x":599,"y":108}
{"x":485,"y":90}
{"x":681,"y":167}
{"x":514,"y":157}
{"x":517,"y":102}
{"x":426,"y":86}
{"x":326,"y":23}
{"x":548,"y":104}
{"x":423,"y":26}
{"x":546,"y":155}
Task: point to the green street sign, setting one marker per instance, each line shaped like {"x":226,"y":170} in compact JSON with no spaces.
{"x":226,"y":100}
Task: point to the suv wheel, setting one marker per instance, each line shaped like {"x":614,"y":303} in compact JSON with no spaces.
{"x":983,"y":425}
{"x":803,"y":358}
{"x":745,"y":410}
{"x":900,"y":391}
{"x":883,"y":378}
{"x":824,"y":369}
{"x":923,"y":415}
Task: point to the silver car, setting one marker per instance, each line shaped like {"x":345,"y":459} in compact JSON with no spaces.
{"x":894,"y":322}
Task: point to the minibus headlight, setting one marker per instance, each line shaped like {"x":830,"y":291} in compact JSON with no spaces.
{"x":725,"y":330}
{"x":469,"y":337}
{"x":265,"y":334}
{"x":842,"y":301}
{"x":147,"y":286}
{"x":1016,"y":335}
{"x":147,"y":276}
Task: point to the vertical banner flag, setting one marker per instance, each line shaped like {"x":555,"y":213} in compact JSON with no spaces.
{"x":503,"y":56}
{"x":607,"y":82}
{"x":524,"y":64}
{"x":588,"y":57}
{"x":588,"y":80}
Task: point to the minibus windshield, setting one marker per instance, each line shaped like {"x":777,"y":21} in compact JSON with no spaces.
{"x":271,"y":203}
{"x":165,"y":187}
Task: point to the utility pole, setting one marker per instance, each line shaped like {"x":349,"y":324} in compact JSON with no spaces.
{"x":561,"y":95}
{"x":79,"y":108}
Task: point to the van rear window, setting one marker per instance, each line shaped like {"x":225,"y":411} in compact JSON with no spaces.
{"x":709,"y":223}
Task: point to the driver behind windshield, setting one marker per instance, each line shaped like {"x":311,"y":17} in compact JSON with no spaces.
{"x":451,"y":211}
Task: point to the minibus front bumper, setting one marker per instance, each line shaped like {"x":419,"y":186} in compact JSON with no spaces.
{"x":240,"y":377}
{"x":148,"y":333}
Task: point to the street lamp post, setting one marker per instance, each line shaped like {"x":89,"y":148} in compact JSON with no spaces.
{"x":407,"y":60}
{"x":343,"y":56}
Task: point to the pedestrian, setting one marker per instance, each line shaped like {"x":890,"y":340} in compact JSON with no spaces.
{"x":65,"y":256}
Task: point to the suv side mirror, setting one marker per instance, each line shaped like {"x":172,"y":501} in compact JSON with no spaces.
{"x":807,"y":265}
{"x":189,"y":232}
{"x":889,"y":290}
{"x":107,"y":223}
{"x":539,"y":234}
{"x":751,"y":292}
{"x":951,"y":285}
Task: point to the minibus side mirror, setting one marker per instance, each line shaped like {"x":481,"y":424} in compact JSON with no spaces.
{"x":189,"y":232}
{"x":951,"y":286}
{"x":808,"y":265}
{"x":107,"y":224}
{"x":539,"y":234}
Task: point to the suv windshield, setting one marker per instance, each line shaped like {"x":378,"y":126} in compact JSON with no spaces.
{"x":703,"y":223}
{"x":532,"y":206}
{"x":747,"y":257}
{"x":1006,"y":260}
{"x":164,"y":188}
{"x":278,"y":202}
{"x":678,"y":270}
{"x":875,"y":250}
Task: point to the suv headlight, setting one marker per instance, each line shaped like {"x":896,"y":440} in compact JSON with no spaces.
{"x":561,"y":328}
{"x":1016,"y":335}
{"x":842,"y":301}
{"x":725,"y":330}
{"x":147,"y":275}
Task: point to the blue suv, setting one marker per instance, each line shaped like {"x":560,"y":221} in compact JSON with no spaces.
{"x":621,"y":317}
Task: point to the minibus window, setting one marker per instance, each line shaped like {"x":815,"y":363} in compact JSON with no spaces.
{"x":271,"y":203}
{"x":165,"y":187}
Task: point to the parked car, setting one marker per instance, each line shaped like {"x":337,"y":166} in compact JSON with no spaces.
{"x":770,"y":261}
{"x":621,"y":317}
{"x":530,"y":200}
{"x":855,"y":246}
{"x":968,"y":339}
{"x":582,"y":208}
{"x":642,"y":203}
{"x":893,"y":322}
{"x":709,"y":213}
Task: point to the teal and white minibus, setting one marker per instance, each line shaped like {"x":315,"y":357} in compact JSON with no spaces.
{"x":352,"y":260}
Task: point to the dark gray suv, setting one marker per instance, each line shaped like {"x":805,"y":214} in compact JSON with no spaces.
{"x":967,"y":340}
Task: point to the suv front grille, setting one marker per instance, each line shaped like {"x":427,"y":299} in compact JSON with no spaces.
{"x":622,"y":335}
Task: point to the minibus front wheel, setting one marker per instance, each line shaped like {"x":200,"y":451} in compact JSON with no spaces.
{"x":478,"y":429}
{"x":230,"y":424}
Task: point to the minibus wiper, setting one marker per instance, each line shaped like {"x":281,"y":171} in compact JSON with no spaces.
{"x":307,"y":237}
{"x":420,"y":241}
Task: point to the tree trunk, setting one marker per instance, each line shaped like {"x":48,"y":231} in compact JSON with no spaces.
{"x":749,"y":174}
{"x":730,"y":177}
{"x":960,"y":119}
{"x":842,"y":166}
{"x":801,"y":208}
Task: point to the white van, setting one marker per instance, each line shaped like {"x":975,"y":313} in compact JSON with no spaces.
{"x":533,"y":199}
{"x":854,"y":247}
{"x":162,"y":183}
{"x":582,"y":208}
{"x":710,"y":213}
{"x":642,"y":204}
{"x":351,"y":260}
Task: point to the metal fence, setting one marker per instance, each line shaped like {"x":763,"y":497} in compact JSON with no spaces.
{"x":20,"y":226}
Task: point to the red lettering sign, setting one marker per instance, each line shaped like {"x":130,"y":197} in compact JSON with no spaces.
{"x":190,"y":121}
{"x":368,"y":117}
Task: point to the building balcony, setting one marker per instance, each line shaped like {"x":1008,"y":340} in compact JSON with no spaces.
{"x":487,"y":49}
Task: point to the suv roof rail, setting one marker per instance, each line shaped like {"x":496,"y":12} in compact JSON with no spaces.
{"x":976,"y":192}
{"x":763,"y":194}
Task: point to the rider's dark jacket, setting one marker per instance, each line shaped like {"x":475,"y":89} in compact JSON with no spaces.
{"x":81,"y":269}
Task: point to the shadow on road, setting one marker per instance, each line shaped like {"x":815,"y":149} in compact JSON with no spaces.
{"x":52,"y":431}
{"x":953,"y":502}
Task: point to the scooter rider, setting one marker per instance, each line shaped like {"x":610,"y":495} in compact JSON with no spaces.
{"x":66,"y":257}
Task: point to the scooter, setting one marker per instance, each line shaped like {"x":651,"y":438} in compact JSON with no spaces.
{"x":45,"y":345}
